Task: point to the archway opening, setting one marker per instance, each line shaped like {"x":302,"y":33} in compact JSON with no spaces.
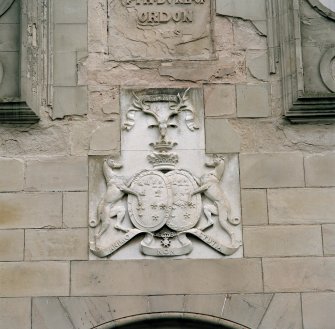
{"x":171,"y":321}
{"x":173,"y":324}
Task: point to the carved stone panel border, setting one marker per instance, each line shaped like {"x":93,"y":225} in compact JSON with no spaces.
{"x":164,"y":196}
{"x":322,"y":9}
{"x":23,"y":107}
{"x":161,"y":30}
{"x":301,"y":104}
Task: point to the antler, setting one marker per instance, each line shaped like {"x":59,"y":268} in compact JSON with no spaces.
{"x":138,"y":105}
{"x":181,"y":106}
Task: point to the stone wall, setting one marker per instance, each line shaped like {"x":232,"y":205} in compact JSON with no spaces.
{"x":286,"y":278}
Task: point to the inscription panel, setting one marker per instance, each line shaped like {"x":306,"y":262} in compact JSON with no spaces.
{"x":160,"y":29}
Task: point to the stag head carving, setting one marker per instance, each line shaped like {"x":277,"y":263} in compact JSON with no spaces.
{"x":181,"y":104}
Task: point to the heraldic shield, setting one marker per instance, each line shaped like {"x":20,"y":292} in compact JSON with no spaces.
{"x":151,"y":210}
{"x":186,"y":210}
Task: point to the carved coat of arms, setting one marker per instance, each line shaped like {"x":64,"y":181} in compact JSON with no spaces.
{"x":164,"y":203}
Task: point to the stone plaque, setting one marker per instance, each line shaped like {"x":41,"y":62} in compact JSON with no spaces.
{"x":164,"y":196}
{"x":160,"y":29}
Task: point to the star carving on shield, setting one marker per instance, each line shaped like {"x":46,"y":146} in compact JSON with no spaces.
{"x":191,"y":204}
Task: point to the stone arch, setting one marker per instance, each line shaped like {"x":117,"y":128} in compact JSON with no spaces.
{"x":171,"y":320}
{"x":222,"y":311}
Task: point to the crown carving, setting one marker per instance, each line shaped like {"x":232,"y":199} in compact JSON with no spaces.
{"x":163,"y":145}
{"x":163,"y":160}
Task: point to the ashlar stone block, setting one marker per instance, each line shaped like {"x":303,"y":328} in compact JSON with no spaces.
{"x":97,"y":32}
{"x":70,"y":101}
{"x":299,"y":274}
{"x":254,"y":207}
{"x":266,"y":170}
{"x":220,"y":100}
{"x":124,"y":305}
{"x":284,"y":312}
{"x":106,"y":139}
{"x":11,"y":245}
{"x":70,"y":37}
{"x":80,"y":135}
{"x":65,"y":68}
{"x":167,"y":303}
{"x":64,"y":244}
{"x":48,"y":313}
{"x":301,"y":206}
{"x":221,"y":137}
{"x":30,"y":210}
{"x":318,"y":310}
{"x":205,"y":304}
{"x":20,"y":279}
{"x":252,"y":101}
{"x":85,"y":312}
{"x":247,"y":309}
{"x":257,"y":63}
{"x":139,"y":277}
{"x":247,"y":9}
{"x":194,"y":70}
{"x":12,"y":175}
{"x":250,"y":34}
{"x":73,"y":12}
{"x":58,"y":174}
{"x":281,"y":241}
{"x":328,"y":231}
{"x":320,"y":170}
{"x":15,"y":313}
{"x":75,"y":209}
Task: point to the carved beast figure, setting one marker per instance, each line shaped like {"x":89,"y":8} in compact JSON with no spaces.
{"x":116,"y":190}
{"x":210,"y":187}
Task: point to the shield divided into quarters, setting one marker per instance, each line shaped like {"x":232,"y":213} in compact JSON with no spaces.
{"x":186,"y":210}
{"x":155,"y":205}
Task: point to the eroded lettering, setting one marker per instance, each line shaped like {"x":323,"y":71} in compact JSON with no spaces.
{"x":165,"y":252}
{"x":161,"y":17}
{"x":119,"y":243}
{"x":161,"y":2}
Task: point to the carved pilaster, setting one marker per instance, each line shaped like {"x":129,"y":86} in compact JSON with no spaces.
{"x":306,"y":60}
{"x":22,"y":86}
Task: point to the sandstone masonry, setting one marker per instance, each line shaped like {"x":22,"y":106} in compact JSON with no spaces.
{"x":70,"y":61}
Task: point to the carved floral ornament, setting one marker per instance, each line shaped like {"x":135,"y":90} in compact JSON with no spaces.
{"x":164,"y":203}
